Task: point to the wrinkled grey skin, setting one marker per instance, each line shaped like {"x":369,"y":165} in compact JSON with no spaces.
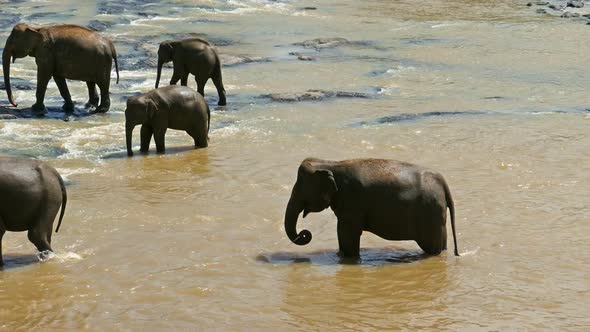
{"x":174,"y":107}
{"x":31,"y":193}
{"x":394,"y":200}
{"x":192,"y":56}
{"x":63,"y":52}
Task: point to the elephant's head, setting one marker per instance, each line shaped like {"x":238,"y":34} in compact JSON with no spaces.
{"x":165,"y":54}
{"x":138,"y":111}
{"x":313,"y":192}
{"x":21,"y":42}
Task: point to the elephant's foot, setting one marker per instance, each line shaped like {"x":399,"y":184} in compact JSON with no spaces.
{"x":68,"y":107}
{"x":102,"y":108}
{"x":222,"y":102}
{"x":92,"y":103}
{"x":39,"y":108}
{"x":144,"y":151}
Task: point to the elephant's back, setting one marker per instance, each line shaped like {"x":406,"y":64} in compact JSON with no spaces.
{"x":79,"y":40}
{"x":178,"y":94}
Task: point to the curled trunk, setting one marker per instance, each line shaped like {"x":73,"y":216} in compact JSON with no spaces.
{"x":6,"y":71}
{"x":160,"y":65}
{"x":128,"y":133}
{"x":294,"y":208}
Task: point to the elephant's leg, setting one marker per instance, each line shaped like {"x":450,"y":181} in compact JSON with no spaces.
{"x":38,"y":237}
{"x":1,"y":235}
{"x":216,"y":77}
{"x":65,"y":93}
{"x":105,"y":99}
{"x":349,"y":239}
{"x":92,"y":95}
{"x":201,"y":85}
{"x":433,"y":239}
{"x":176,"y":76}
{"x":184,"y":80}
{"x":199,"y":138}
{"x":42,"y":80}
{"x":146,"y":137}
{"x":159,"y":135}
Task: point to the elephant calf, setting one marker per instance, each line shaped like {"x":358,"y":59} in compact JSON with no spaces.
{"x":392,"y":199}
{"x":174,"y":107}
{"x":192,"y":56}
{"x":31,"y":193}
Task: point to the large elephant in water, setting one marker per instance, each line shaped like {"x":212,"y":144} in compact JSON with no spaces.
{"x":392,"y":199}
{"x":31,"y":193}
{"x":192,"y":56}
{"x":63,"y":52}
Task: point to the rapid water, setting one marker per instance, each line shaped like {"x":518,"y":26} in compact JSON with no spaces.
{"x":490,"y":93}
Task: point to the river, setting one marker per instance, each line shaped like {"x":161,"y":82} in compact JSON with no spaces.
{"x":490,"y":93}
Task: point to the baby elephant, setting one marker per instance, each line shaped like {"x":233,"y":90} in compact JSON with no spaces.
{"x":174,"y":107}
{"x":31,"y":193}
{"x":392,"y":199}
{"x":192,"y":56}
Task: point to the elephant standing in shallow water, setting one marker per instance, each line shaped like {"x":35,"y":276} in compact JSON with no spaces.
{"x":174,"y":107}
{"x":391,"y":199}
{"x":63,"y":52}
{"x":31,"y":193}
{"x":192,"y":56}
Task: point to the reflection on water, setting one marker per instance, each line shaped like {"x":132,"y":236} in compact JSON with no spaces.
{"x":489,"y":93}
{"x":364,"y":297}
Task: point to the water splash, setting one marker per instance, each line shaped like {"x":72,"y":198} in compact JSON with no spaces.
{"x":45,"y":256}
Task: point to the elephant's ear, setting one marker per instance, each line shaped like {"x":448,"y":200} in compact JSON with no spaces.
{"x":327,"y":184}
{"x":151,"y":109}
{"x":166,"y":50}
{"x":34,"y":33}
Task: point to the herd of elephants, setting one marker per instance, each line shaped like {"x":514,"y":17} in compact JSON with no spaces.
{"x":392,"y":199}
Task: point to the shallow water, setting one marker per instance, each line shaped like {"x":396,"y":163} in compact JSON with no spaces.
{"x":489,"y":93}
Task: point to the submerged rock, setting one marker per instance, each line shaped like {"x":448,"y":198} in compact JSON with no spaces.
{"x":234,"y":60}
{"x":576,"y":8}
{"x":302,"y":57}
{"x":403,"y":117}
{"x":575,"y":3}
{"x":97,"y":25}
{"x":313,"y":95}
{"x":570,"y":15}
{"x":320,"y":43}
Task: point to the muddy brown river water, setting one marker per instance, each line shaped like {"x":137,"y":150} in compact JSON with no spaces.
{"x":490,"y":93}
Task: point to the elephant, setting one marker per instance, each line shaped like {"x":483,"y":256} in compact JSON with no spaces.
{"x":31,"y":193}
{"x":63,"y":52}
{"x":391,"y":199}
{"x":195,"y":56}
{"x":174,"y":107}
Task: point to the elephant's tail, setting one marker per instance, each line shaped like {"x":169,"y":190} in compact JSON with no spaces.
{"x":64,"y":200}
{"x":114,"y":52}
{"x":451,"y":206}
{"x":208,"y":121}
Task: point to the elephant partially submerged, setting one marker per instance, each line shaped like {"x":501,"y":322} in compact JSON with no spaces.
{"x":63,"y":52}
{"x":31,"y":193}
{"x":392,"y":199}
{"x":192,"y":56}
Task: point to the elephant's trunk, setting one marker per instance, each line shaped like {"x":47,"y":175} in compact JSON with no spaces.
{"x":294,"y":208}
{"x":128,"y":133}
{"x":160,"y":65}
{"x":6,"y":71}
